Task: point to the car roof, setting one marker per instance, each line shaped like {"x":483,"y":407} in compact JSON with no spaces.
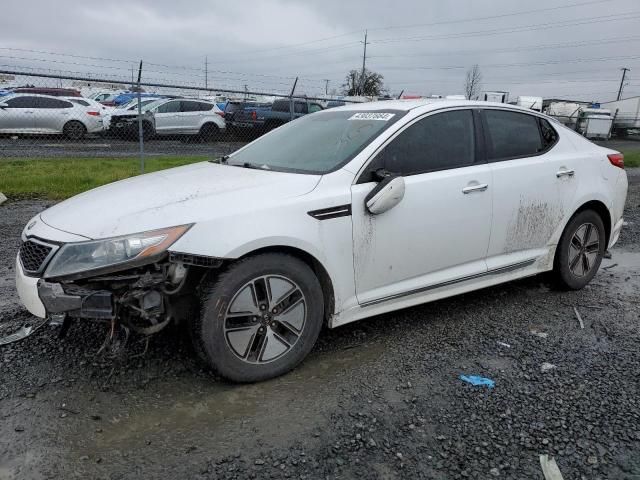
{"x":27,"y":94}
{"x":427,"y":104}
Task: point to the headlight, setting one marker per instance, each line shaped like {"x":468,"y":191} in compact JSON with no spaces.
{"x":79,"y":257}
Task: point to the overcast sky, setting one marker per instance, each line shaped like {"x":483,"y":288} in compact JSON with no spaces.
{"x":550,"y":48}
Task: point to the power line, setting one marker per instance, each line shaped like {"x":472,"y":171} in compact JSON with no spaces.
{"x":509,"y":50}
{"x":130,"y":62}
{"x":443,"y":22}
{"x":499,"y":31}
{"x":490,"y":17}
{"x":525,"y":64}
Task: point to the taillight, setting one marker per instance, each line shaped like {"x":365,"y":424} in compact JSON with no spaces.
{"x":221,"y":114}
{"x":254,"y":115}
{"x":616,"y":159}
{"x":94,"y":114}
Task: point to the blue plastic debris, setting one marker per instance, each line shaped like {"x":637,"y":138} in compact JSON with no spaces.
{"x":475,"y":380}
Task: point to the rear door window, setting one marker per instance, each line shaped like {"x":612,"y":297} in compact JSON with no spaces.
{"x":512,"y":135}
{"x":438,"y":142}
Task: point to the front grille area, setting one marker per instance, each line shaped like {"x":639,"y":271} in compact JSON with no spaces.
{"x":33,"y":255}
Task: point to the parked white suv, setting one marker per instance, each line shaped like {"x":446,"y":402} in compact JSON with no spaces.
{"x":179,"y":116}
{"x":337,"y":216}
{"x":26,"y":113}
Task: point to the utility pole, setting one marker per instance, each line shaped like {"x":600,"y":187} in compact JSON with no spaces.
{"x":246,"y":89}
{"x":624,"y":74}
{"x":364,"y":62}
{"x":206,"y":72}
{"x":326,"y":86}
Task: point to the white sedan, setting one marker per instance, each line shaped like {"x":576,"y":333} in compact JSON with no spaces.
{"x":335,"y":217}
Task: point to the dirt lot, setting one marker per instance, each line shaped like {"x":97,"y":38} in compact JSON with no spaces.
{"x":377,"y":399}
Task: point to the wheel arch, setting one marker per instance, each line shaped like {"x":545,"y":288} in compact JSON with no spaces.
{"x":318,"y":268}
{"x":209,"y":122}
{"x":75,"y":120}
{"x":601,"y":209}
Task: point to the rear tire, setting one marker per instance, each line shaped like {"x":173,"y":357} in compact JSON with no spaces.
{"x":74,"y":130}
{"x":580,"y":251}
{"x":209,"y":132}
{"x":260,"y":318}
{"x":147,"y":130}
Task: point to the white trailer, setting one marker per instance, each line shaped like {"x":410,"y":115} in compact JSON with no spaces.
{"x":498,"y":97}
{"x":626,"y":114}
{"x":565,"y":112}
{"x":532,"y":103}
{"x":595,"y":123}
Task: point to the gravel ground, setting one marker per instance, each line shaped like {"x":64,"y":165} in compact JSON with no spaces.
{"x":376,"y":399}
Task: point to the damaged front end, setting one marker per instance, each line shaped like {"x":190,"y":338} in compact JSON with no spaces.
{"x":131,"y":281}
{"x":143,"y":299}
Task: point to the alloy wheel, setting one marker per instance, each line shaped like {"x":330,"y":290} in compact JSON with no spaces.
{"x":584,"y":249}
{"x":265,"y":319}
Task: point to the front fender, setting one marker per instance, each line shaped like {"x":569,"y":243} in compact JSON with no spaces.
{"x":328,"y":241}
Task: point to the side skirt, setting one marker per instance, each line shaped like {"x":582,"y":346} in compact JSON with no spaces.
{"x":497,"y":271}
{"x":435,"y":292}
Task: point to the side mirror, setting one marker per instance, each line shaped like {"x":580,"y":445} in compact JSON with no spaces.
{"x":386,"y":195}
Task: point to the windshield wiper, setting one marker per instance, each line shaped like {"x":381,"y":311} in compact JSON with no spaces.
{"x":255,"y":167}
{"x":222,"y":159}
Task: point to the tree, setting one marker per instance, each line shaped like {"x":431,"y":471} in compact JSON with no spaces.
{"x":473,"y":82}
{"x":373,"y":83}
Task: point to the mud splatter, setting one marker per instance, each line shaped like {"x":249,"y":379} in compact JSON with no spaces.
{"x":532,"y":226}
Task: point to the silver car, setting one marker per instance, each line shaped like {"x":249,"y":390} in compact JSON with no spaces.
{"x":42,"y":114}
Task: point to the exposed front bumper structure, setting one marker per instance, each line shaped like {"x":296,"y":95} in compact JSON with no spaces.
{"x":76,"y":302}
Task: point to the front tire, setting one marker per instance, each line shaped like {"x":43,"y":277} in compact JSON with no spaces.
{"x":580,"y":251}
{"x":260,"y":318}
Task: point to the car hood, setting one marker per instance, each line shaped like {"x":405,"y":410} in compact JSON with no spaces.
{"x":183,"y":195}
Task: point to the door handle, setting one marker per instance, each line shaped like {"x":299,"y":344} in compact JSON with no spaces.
{"x":475,"y":188}
{"x":565,"y":173}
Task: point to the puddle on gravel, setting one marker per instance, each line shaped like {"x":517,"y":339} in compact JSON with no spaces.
{"x":624,"y":260}
{"x":626,"y":265}
{"x":220,"y":409}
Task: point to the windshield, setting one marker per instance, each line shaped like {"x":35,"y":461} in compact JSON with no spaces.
{"x":317,"y":143}
{"x":128,"y":104}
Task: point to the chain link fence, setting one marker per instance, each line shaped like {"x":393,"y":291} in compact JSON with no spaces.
{"x":46,"y":116}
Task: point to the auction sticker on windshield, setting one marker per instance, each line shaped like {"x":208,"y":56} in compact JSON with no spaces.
{"x":385,"y":117}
